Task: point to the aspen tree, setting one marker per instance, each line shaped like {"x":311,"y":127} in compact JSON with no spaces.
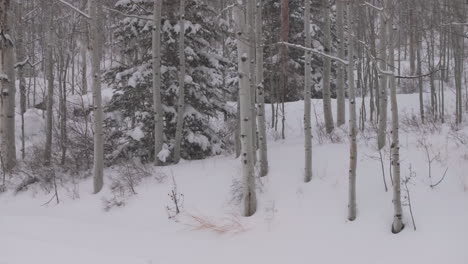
{"x":307,"y":96}
{"x":327,"y":110}
{"x":181,"y":99}
{"x":157,"y":104}
{"x":395,"y":147}
{"x":96,"y":14}
{"x":50,"y":80}
{"x":7,"y":90}
{"x":249,"y":200}
{"x":352,"y":119}
{"x":340,"y":90}
{"x":253,"y":82}
{"x":21,"y":57}
{"x":383,"y":100}
{"x":262,"y":137}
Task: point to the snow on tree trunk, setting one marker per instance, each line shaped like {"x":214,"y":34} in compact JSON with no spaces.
{"x":352,"y":119}
{"x":307,"y":96}
{"x":340,"y":89}
{"x":395,"y":147}
{"x":7,"y":90}
{"x":96,"y":14}
{"x":157,"y":104}
{"x":249,"y":197}
{"x":181,"y":99}
{"x":381,"y":137}
{"x":262,"y":138}
{"x":327,"y":110}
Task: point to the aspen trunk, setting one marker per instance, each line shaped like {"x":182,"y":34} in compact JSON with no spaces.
{"x":7,"y":91}
{"x":284,"y":60}
{"x":307,"y":96}
{"x":352,"y":119}
{"x":252,"y":68}
{"x":420,"y":85}
{"x":383,"y":84}
{"x":249,"y":197}
{"x":340,"y":90}
{"x":157,"y":103}
{"x":458,"y":51}
{"x":50,"y":84}
{"x":395,"y":147}
{"x":238,"y":130}
{"x":96,"y":14}
{"x":181,"y":99}
{"x":21,"y":57}
{"x":84,"y":70}
{"x":262,"y":138}
{"x":327,"y":110}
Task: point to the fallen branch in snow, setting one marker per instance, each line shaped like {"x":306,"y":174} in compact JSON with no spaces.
{"x":231,"y":224}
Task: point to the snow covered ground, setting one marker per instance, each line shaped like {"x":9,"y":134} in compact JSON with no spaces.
{"x":295,"y":223}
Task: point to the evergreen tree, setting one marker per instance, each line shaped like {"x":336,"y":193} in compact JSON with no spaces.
{"x":131,"y":109}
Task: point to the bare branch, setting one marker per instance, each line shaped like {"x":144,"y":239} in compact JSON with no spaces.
{"x":345,"y":62}
{"x":127,"y":15}
{"x":373,"y":6}
{"x":75,"y":9}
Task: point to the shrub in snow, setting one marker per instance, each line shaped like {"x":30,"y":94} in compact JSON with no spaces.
{"x":125,"y":179}
{"x":177,"y":201}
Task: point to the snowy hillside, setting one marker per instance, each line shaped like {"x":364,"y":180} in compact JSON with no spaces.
{"x":295,"y":223}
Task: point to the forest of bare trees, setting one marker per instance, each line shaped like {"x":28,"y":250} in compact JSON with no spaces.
{"x":117,"y":80}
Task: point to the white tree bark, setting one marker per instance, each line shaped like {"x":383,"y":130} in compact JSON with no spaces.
{"x":253,"y":74}
{"x":420,"y":85}
{"x":157,"y":102}
{"x":352,"y":119}
{"x":181,"y":99}
{"x":340,"y":90}
{"x":262,"y":138}
{"x":50,"y":81}
{"x":307,"y":96}
{"x":21,"y":57}
{"x":327,"y":109}
{"x":395,"y":147}
{"x":381,"y":137}
{"x":96,"y":14}
{"x":7,"y":90}
{"x":249,"y":197}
